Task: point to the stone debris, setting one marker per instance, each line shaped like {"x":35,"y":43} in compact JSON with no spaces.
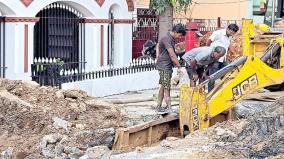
{"x":7,"y":153}
{"x":60,"y":123}
{"x":98,"y":152}
{"x":259,"y":135}
{"x":166,"y":144}
{"x":45,"y":122}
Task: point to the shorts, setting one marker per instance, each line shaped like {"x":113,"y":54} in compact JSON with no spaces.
{"x":199,"y":71}
{"x":165,"y":79}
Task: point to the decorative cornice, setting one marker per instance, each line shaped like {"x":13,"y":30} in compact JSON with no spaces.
{"x":98,"y":20}
{"x":26,"y":2}
{"x":100,"y":2}
{"x":124,"y":21}
{"x":120,"y":21}
{"x":130,"y":4}
{"x":21,"y":19}
{"x":36,"y":19}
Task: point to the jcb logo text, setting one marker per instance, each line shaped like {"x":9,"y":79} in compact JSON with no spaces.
{"x":245,"y":86}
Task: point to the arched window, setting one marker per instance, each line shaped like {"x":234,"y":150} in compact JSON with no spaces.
{"x":59,"y":45}
{"x":59,"y":35}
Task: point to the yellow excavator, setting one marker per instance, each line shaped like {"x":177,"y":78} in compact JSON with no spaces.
{"x":243,"y":76}
{"x":261,"y":65}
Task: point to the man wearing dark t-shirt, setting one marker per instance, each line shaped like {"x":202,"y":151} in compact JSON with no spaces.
{"x":166,"y":60}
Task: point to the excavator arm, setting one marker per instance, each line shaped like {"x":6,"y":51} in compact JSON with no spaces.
{"x":238,"y":79}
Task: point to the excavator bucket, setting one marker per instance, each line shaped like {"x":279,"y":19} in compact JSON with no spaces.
{"x":193,"y":110}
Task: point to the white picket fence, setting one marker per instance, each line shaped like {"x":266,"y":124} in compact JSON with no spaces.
{"x":136,"y":65}
{"x":139,"y":74}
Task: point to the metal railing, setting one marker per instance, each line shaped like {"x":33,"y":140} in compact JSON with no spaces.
{"x":208,"y":24}
{"x":2,"y":47}
{"x":53,"y":72}
{"x":145,"y":29}
{"x":59,"y":42}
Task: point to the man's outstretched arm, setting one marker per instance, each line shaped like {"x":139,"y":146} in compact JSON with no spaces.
{"x":173,"y":57}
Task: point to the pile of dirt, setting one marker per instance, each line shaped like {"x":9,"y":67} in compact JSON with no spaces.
{"x":260,"y":135}
{"x":44,"y":122}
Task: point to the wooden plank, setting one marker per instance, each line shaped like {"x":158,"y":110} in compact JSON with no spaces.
{"x":146,"y":133}
{"x":139,"y":138}
{"x":152,"y":123}
{"x":267,"y":96}
{"x":266,"y":36}
{"x":261,"y":41}
{"x":126,"y":139}
{"x":138,"y":127}
{"x":164,"y":119}
{"x":150,"y":136}
{"x":26,"y":49}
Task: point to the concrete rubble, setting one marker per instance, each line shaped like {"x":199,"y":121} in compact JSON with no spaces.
{"x":260,"y":135}
{"x":44,"y":122}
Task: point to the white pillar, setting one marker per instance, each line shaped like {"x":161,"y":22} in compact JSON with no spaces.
{"x":30,"y":50}
{"x":15,"y":50}
{"x":123,"y":43}
{"x":11,"y":48}
{"x":92,"y":43}
{"x":96,"y":45}
{"x":105,"y":42}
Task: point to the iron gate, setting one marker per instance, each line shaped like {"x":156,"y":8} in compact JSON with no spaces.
{"x":2,"y":47}
{"x":146,"y":27}
{"x":59,"y":44}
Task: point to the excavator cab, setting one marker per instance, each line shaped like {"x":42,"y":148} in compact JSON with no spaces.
{"x":274,"y":14}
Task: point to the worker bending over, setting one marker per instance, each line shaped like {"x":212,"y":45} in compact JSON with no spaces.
{"x":223,"y":38}
{"x":199,"y":58}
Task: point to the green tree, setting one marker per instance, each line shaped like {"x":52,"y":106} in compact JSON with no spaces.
{"x":165,"y":8}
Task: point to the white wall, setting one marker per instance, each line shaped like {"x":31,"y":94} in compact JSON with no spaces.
{"x":89,"y":9}
{"x":15,"y":35}
{"x":117,"y":84}
{"x":93,"y":45}
{"x":11,"y":7}
{"x":11,"y":49}
{"x":122,"y":36}
{"x":123,"y":48}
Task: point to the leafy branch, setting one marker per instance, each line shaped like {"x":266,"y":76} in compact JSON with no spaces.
{"x":159,"y":6}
